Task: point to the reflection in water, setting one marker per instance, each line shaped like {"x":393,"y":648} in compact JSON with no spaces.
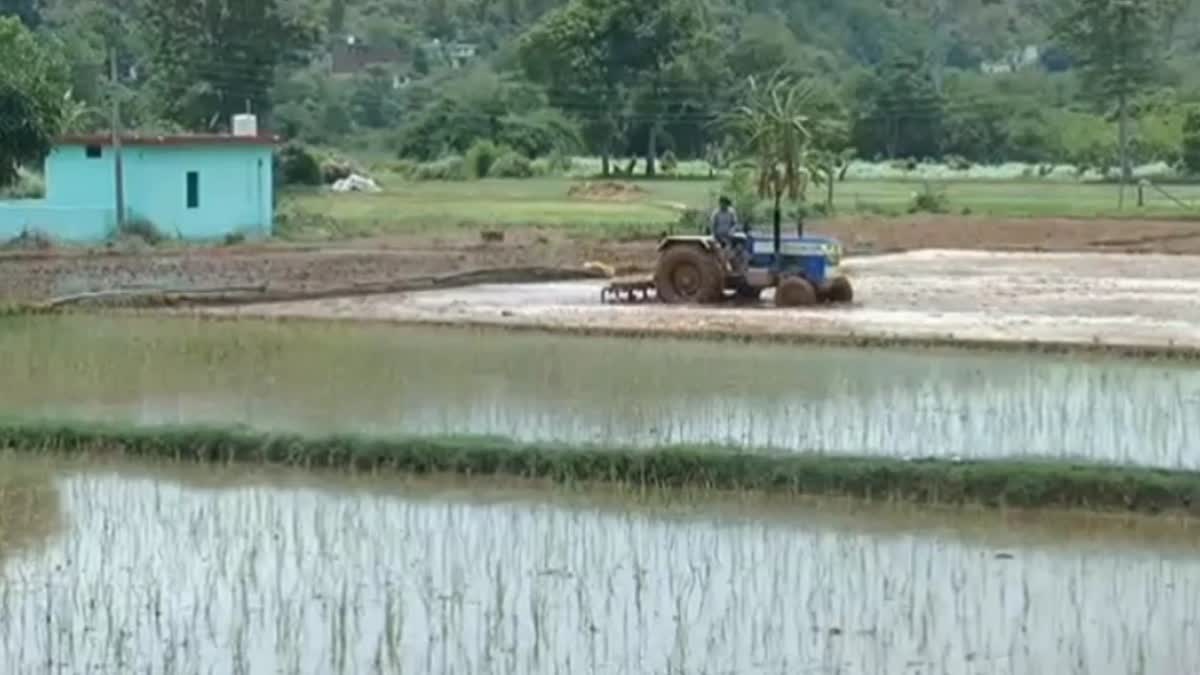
{"x":30,"y":507}
{"x":159,"y":576}
{"x":389,"y":379}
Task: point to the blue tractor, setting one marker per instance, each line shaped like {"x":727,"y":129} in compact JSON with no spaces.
{"x":803,"y":270}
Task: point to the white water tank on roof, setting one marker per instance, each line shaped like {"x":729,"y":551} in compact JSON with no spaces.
{"x":245,"y":125}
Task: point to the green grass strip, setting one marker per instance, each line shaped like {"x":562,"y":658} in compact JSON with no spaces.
{"x":998,"y":483}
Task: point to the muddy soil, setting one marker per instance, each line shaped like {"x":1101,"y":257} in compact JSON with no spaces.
{"x":1091,"y":300}
{"x":38,"y":275}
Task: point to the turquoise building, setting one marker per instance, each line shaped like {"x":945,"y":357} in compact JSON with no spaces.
{"x":194,"y":187}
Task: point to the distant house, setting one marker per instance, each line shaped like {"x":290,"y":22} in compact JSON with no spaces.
{"x":453,"y":54}
{"x":1013,"y":61}
{"x":352,"y":56}
{"x":193,"y":187}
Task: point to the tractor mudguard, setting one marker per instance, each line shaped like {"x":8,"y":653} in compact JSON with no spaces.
{"x":706,"y":242}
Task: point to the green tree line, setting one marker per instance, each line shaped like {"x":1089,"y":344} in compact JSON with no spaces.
{"x":1096,"y":83}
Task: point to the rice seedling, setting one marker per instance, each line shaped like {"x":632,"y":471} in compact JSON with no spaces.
{"x":390,"y":380}
{"x":164,"y":569}
{"x":213,"y":554}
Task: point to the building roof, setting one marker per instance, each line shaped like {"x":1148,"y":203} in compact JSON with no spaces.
{"x":174,"y":140}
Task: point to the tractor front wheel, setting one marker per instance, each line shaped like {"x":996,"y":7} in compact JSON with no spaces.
{"x":840,"y":291}
{"x":689,"y":274}
{"x":795,"y":292}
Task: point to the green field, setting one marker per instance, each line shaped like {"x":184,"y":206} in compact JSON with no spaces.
{"x":406,"y":207}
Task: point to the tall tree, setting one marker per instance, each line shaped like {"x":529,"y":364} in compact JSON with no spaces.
{"x":209,"y":58}
{"x":900,"y":110}
{"x":335,"y":17}
{"x":599,"y":54}
{"x":33,"y":89}
{"x":28,"y":11}
{"x":1191,"y":141}
{"x":1113,"y":42}
{"x":582,"y":77}
{"x":659,"y":33}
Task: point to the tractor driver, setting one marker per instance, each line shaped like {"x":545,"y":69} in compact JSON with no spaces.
{"x":723,"y":227}
{"x":724,"y":221}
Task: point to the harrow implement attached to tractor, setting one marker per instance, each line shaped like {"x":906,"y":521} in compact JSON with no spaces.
{"x":699,"y":270}
{"x":629,"y":290}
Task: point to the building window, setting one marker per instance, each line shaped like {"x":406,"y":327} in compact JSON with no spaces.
{"x":93,"y":152}
{"x":193,"y":190}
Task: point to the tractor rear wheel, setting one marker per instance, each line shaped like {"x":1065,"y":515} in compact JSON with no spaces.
{"x":689,"y":274}
{"x":840,"y":291}
{"x":795,"y":292}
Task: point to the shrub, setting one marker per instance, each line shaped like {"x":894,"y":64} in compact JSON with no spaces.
{"x":480,"y":158}
{"x":929,"y":200}
{"x":669,"y":162}
{"x":293,"y":223}
{"x":335,"y":169}
{"x":806,"y":210}
{"x":555,"y":164}
{"x":143,"y":229}
{"x":958,"y":163}
{"x":404,"y":167}
{"x":28,"y":185}
{"x":512,"y":164}
{"x":539,"y":133}
{"x":298,"y":165}
{"x":450,"y":167}
{"x":30,"y":240}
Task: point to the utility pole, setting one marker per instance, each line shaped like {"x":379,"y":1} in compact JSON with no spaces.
{"x":1123,"y":109}
{"x":118,"y":166}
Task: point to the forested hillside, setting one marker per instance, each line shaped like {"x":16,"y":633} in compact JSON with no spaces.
{"x":980,"y":80}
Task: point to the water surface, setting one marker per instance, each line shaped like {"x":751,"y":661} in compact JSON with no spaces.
{"x":176,"y":569}
{"x":399,"y":380}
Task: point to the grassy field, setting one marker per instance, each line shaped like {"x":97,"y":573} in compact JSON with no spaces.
{"x":419,"y":207}
{"x":406,"y":207}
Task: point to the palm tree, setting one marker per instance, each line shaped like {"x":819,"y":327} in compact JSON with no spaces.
{"x":783,"y":130}
{"x":775,"y":130}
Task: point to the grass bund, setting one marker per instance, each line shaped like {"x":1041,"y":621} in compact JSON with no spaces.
{"x":998,"y":483}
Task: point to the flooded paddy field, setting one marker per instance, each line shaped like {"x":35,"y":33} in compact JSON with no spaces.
{"x":1084,"y":300}
{"x":382,"y":379}
{"x":170,"y":568}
